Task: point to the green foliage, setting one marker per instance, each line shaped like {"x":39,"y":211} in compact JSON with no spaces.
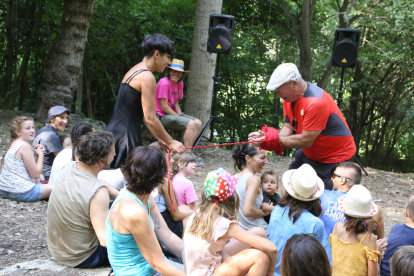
{"x":378,"y":94}
{"x":120,"y":26}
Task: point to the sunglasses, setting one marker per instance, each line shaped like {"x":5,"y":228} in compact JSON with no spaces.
{"x":295,"y":125}
{"x":337,"y":175}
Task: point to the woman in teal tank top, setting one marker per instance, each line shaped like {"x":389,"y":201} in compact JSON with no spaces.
{"x":134,"y":222}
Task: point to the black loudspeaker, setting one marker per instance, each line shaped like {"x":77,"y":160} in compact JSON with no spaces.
{"x":220,"y":33}
{"x":345,"y":49}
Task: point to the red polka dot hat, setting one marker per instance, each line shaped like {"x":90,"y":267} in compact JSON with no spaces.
{"x":219,"y":185}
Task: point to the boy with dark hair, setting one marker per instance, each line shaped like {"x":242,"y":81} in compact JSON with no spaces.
{"x":270,"y":184}
{"x":400,"y":235}
{"x":78,"y":206}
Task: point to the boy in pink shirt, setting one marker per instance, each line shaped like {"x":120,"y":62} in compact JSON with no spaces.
{"x":167,"y":94}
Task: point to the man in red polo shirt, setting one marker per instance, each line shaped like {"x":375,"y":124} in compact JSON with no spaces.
{"x":313,"y":123}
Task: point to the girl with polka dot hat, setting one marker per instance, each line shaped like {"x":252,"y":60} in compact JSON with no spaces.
{"x":206,"y":248}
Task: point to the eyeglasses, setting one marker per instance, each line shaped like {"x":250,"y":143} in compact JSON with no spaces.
{"x":337,"y":175}
{"x":295,"y":125}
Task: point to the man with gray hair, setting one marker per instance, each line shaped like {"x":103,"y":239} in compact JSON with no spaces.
{"x":313,"y":124}
{"x":48,"y":136}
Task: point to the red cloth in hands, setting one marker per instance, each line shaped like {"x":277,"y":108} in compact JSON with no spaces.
{"x":272,"y":142}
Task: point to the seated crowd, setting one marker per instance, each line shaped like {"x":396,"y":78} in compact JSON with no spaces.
{"x":242,"y":224}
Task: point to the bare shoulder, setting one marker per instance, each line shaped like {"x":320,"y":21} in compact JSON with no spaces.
{"x":339,"y":229}
{"x":370,"y":240}
{"x":25,"y":147}
{"x":143,"y":81}
{"x":254,"y":179}
{"x":144,"y":76}
{"x":130,"y":208}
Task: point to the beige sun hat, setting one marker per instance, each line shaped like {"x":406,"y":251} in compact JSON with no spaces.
{"x":284,"y":73}
{"x":303,"y":183}
{"x":357,"y":203}
{"x":177,"y":65}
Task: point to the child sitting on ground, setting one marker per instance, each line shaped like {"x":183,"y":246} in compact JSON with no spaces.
{"x":353,"y":245}
{"x":213,"y":224}
{"x":184,"y":165}
{"x":270,"y":184}
{"x":310,"y":252}
{"x":22,"y":169}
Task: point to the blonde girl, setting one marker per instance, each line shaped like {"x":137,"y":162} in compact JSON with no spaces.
{"x":184,"y":165}
{"x":213,"y":224}
{"x":19,"y":178}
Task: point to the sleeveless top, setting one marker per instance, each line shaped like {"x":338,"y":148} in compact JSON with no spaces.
{"x":350,"y":258}
{"x":14,"y":177}
{"x":246,"y":222}
{"x":123,"y":252}
{"x":160,"y":201}
{"x":71,"y":237}
{"x":126,"y":121}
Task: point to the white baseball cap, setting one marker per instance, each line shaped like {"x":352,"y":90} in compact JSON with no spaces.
{"x":284,"y":73}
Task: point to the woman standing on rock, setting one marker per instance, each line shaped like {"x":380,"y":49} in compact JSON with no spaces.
{"x":135,"y":103}
{"x":20,"y":175}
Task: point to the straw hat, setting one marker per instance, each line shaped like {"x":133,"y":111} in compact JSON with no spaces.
{"x":303,"y":183}
{"x":357,"y":203}
{"x":177,"y":65}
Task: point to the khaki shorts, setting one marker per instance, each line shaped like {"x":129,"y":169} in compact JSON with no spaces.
{"x":176,"y":122}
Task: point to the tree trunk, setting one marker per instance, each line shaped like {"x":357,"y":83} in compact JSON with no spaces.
{"x":79,"y":93}
{"x":305,"y":45}
{"x":301,"y":32}
{"x":202,"y":65}
{"x":323,"y":81}
{"x":11,"y":37}
{"x":60,"y":78}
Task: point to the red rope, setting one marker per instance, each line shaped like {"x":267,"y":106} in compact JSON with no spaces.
{"x":272,"y":143}
{"x":169,"y":178}
{"x":209,"y":146}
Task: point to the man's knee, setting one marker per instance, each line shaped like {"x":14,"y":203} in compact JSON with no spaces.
{"x":198,"y":123}
{"x":194,"y":124}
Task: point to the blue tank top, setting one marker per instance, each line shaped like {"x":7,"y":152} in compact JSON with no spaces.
{"x":123,"y":252}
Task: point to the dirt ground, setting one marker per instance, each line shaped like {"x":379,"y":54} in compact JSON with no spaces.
{"x":23,"y":225}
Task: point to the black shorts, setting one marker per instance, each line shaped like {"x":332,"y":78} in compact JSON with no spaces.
{"x":175,"y":226}
{"x":324,"y":170}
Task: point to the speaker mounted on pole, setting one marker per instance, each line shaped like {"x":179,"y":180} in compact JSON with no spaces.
{"x":220,"y":33}
{"x":345,"y":49}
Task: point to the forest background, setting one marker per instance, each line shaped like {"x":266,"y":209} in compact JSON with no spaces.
{"x":76,"y":52}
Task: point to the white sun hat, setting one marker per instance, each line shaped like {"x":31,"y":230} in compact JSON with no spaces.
{"x":284,"y":73}
{"x":357,"y":203}
{"x":303,"y":183}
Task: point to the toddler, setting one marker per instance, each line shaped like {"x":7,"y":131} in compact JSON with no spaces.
{"x":270,"y":184}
